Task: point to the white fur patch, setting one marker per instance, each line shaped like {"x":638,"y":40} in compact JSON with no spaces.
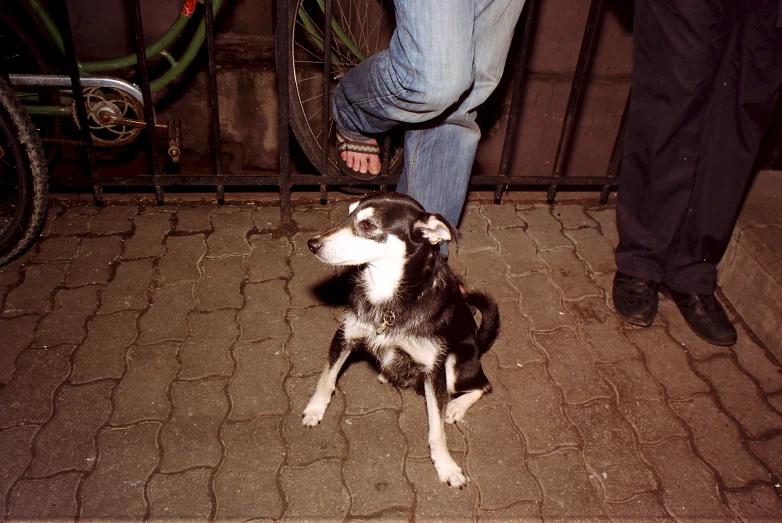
{"x":365,"y":213}
{"x":423,"y":351}
{"x":345,"y":248}
{"x":450,"y":373}
{"x":434,"y":230}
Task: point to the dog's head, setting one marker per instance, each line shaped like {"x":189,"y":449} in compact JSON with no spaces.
{"x":382,"y":226}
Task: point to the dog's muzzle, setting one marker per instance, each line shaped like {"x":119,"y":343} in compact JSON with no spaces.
{"x":314,"y":245}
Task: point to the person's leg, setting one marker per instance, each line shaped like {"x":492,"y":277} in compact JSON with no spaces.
{"x":677,"y":50}
{"x":426,"y":69}
{"x":737,"y":116}
{"x":439,"y":154}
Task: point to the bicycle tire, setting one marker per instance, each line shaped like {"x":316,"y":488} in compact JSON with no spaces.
{"x":305,"y":80}
{"x":23,"y":177}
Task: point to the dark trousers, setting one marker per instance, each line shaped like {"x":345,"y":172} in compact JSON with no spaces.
{"x":705,"y":77}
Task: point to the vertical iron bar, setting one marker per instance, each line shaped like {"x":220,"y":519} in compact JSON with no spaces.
{"x":78,"y":96}
{"x":149,"y":110}
{"x":577,"y":89}
{"x":324,"y":137}
{"x":616,"y":153}
{"x":518,"y":88}
{"x":214,"y":109}
{"x":282,"y":44}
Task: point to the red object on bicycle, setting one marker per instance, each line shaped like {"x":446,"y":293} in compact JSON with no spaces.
{"x":189,"y":8}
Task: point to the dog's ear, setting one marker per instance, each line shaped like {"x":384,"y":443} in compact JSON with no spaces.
{"x":434,"y":229}
{"x":353,"y":206}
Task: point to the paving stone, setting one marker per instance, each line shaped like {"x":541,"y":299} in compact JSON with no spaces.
{"x":195,"y":219}
{"x":568,"y":491}
{"x":609,"y":451}
{"x":363,"y":392}
{"x":523,"y":512}
{"x":432,"y":501}
{"x":245,"y":485}
{"x":10,"y":273}
{"x":128,"y":289}
{"x":757,"y":504}
{"x":487,"y":271}
{"x":102,"y":355}
{"x":268,"y":260}
{"x":165,"y":318}
{"x":114,"y":490}
{"x":495,"y":463}
{"x":220,"y":287}
{"x":67,"y":441}
{"x":308,"y":347}
{"x":49,"y":499}
{"x":667,"y":362}
{"x":190,"y":437}
{"x":315,"y":220}
{"x":230,"y":234}
{"x":756,"y":361}
{"x":309,"y":275}
{"x":372,"y":469}
{"x":54,"y":210}
{"x":266,"y":218}
{"x":643,"y":507}
{"x":689,"y":489}
{"x":594,"y":249}
{"x":776,"y":402}
{"x":326,"y":440}
{"x":640,"y":401}
{"x":414,"y":424}
{"x":57,"y":248}
{"x":33,"y":295}
{"x":607,"y":220}
{"x":770,"y":451}
{"x":93,"y":264}
{"x":514,"y":346}
{"x":28,"y":396}
{"x":541,"y":302}
{"x":66,"y":323}
{"x":474,"y":232}
{"x":339,"y":210}
{"x":183,"y":496}
{"x":253,"y":394}
{"x":600,"y":328}
{"x":719,"y":442}
{"x":501,"y":216}
{"x":499,"y":395}
{"x":739,"y":396}
{"x":572,"y":366}
{"x":569,"y":274}
{"x":518,"y":251}
{"x":572,"y":216}
{"x":143,"y":392}
{"x":679,"y":331}
{"x":545,"y":229}
{"x":264,"y":310}
{"x":325,"y":499}
{"x":16,"y":453}
{"x":537,"y":409}
{"x":207,"y":351}
{"x":181,"y":261}
{"x":71,"y":223}
{"x":148,"y":236}
{"x":17,"y":334}
{"x":114,"y":219}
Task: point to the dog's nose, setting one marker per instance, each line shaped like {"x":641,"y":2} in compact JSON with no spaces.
{"x":314,"y":245}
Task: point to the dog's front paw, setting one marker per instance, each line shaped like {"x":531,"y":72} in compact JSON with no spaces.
{"x":449,"y":472}
{"x":313,"y":414}
{"x":454,"y":412}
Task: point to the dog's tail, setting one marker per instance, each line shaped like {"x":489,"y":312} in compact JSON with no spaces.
{"x":490,"y":318}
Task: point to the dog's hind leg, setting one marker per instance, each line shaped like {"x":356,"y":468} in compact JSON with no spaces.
{"x":465,"y":377}
{"x":338,"y":354}
{"x":447,"y":469}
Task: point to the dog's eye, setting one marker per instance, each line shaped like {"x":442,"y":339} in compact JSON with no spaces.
{"x":368,"y":225}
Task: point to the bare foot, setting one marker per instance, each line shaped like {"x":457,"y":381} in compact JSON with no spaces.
{"x":362,"y":162}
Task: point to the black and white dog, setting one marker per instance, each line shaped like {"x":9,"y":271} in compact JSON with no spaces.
{"x":408,"y":311}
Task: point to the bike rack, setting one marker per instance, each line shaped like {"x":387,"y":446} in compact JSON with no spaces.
{"x":283,"y":178}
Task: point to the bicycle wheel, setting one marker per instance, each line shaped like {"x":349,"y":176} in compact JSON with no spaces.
{"x":361,"y":28}
{"x":23,"y":177}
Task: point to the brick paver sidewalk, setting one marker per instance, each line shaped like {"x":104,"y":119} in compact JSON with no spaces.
{"x":154,"y":363}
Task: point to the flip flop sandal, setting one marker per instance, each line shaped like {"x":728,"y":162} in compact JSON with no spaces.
{"x":343,"y":144}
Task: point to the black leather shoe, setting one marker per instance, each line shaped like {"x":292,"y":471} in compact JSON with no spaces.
{"x":706,"y":317}
{"x":635,"y":300}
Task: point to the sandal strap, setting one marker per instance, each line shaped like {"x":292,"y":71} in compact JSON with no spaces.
{"x":358,"y":147}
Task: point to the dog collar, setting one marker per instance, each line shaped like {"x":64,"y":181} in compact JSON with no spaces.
{"x":388,"y":320}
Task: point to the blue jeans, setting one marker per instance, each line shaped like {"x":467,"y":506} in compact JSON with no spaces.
{"x":445,"y":58}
